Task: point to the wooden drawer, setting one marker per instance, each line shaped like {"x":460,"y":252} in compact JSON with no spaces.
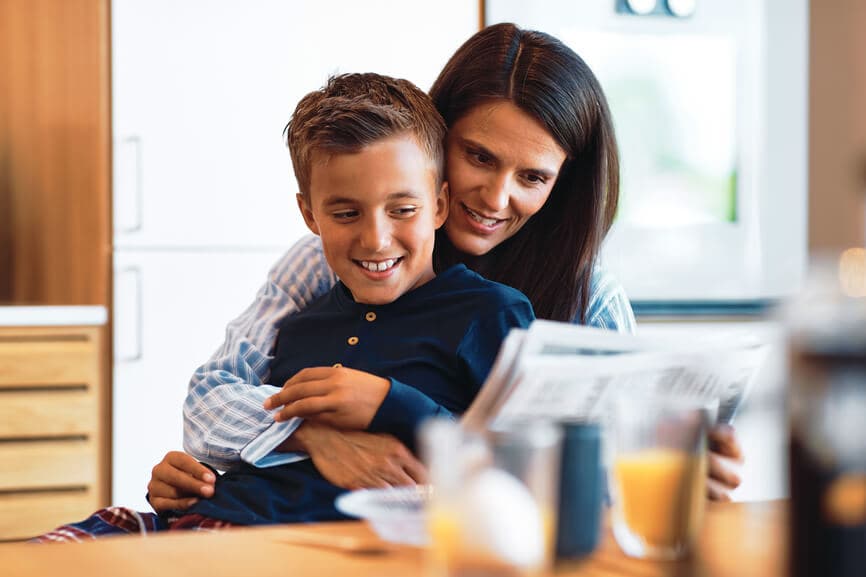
{"x":39,"y":413}
{"x":25,"y":515}
{"x":43,"y":358}
{"x":57,"y":464}
{"x":54,"y":415}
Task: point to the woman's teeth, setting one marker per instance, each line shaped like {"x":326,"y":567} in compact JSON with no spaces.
{"x":380,"y":266}
{"x":478,"y":218}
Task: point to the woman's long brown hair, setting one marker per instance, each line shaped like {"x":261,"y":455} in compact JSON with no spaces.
{"x":551,"y":259}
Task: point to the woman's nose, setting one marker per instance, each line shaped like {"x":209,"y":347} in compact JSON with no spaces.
{"x":496,"y":194}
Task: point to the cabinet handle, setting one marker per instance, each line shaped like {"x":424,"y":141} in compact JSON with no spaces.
{"x":127,"y":185}
{"x":128,"y":316}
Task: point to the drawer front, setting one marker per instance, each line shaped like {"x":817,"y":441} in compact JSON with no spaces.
{"x":48,"y":464}
{"x":37,"y":359}
{"x":25,"y":515}
{"x":36,"y":413}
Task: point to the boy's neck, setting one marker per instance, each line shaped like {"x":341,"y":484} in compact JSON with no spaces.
{"x":410,"y":291}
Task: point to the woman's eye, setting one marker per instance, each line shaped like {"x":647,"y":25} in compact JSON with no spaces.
{"x":480,"y":157}
{"x":532,"y":178}
{"x":405,"y":211}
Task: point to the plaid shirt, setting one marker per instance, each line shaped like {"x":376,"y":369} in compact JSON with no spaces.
{"x":224,"y":421}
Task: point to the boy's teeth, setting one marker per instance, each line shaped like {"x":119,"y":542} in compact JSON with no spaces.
{"x":478,"y":218}
{"x":378,"y":266}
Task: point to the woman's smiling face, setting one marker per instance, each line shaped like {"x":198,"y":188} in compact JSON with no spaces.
{"x":501,"y":165}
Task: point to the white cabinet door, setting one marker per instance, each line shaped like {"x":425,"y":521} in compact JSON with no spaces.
{"x":202,"y":90}
{"x":170,"y":313}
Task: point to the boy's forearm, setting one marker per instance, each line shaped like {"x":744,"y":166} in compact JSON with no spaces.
{"x":403,"y":410}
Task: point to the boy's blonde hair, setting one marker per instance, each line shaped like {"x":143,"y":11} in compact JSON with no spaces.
{"x":355,"y":110}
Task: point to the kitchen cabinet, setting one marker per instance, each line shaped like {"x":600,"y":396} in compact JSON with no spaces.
{"x":171,"y":310}
{"x":54,"y":425}
{"x":55,"y":150}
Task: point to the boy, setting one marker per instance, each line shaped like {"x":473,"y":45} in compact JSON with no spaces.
{"x":392,"y":343}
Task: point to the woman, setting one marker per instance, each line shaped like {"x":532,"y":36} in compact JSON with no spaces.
{"x":533,"y":170}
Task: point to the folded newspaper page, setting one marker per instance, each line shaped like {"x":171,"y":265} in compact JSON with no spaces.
{"x":562,"y":371}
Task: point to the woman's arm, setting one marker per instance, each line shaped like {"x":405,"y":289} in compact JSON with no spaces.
{"x":358,"y":459}
{"x":348,"y":459}
{"x":223,"y":410}
{"x":608,"y":307}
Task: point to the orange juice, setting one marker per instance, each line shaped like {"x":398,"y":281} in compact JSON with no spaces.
{"x":443,"y":525}
{"x":452,"y":555}
{"x":660,"y":495}
{"x":548,"y":525}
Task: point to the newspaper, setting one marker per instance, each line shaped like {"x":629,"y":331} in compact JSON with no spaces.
{"x":562,"y":371}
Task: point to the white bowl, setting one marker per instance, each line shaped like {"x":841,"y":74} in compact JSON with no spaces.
{"x":396,"y":513}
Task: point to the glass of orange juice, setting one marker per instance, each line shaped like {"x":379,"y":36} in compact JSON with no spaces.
{"x":494,"y":499}
{"x":659,"y":471}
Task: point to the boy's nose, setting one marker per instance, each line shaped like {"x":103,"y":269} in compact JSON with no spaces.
{"x":376,"y":235}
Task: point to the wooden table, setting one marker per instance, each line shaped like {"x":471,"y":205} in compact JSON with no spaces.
{"x":738,"y":540}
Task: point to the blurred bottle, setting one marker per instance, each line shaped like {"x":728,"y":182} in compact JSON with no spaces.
{"x":828,"y":420}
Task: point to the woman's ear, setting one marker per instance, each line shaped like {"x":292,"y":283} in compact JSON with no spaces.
{"x":307,"y":212}
{"x":442,"y":204}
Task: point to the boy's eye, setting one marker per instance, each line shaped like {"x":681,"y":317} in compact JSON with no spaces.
{"x":344,"y":214}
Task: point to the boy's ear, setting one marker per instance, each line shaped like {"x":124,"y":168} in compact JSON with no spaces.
{"x":307,"y":213}
{"x":442,"y":204}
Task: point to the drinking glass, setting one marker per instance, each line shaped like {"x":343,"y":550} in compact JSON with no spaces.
{"x":658,"y":477}
{"x":494,"y":504}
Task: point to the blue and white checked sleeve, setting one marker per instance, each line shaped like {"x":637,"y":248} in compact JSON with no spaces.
{"x":609,"y":307}
{"x":224,"y":421}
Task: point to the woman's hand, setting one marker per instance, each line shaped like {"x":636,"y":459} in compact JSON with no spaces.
{"x":358,"y":460}
{"x":177,"y":482}
{"x":725,"y":454}
{"x":336,"y":396}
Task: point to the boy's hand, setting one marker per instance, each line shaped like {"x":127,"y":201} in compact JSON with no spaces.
{"x":725,"y":454}
{"x":358,"y":460}
{"x":178,"y":481}
{"x":336,"y":396}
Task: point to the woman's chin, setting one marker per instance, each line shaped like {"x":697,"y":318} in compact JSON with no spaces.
{"x":471,"y":244}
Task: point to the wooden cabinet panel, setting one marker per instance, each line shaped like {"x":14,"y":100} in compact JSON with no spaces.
{"x":24,"y":515}
{"x":47,"y":413}
{"x":54,"y":418}
{"x":67,"y":360}
{"x":47,"y":464}
{"x":55,"y":135}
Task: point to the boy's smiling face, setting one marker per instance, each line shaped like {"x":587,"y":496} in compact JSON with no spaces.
{"x":377,"y":212}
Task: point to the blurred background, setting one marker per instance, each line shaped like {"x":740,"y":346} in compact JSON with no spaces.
{"x":145,"y":191}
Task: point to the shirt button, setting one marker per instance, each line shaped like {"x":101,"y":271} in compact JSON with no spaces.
{"x":371,"y":316}
{"x":337,"y":365}
{"x":352,"y":340}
